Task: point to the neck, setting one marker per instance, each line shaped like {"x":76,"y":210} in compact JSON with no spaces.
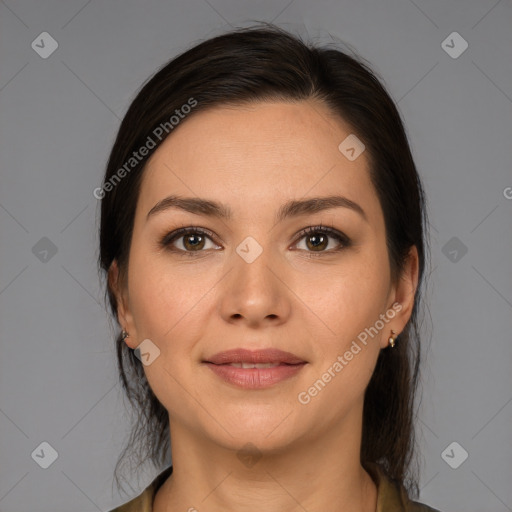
{"x":322,"y":474}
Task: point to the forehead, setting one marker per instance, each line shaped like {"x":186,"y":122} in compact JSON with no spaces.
{"x":257,"y":154}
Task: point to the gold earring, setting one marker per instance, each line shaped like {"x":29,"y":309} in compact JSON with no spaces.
{"x":124,"y":334}
{"x":392,"y":339}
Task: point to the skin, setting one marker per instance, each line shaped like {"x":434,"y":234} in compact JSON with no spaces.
{"x":194,"y":307}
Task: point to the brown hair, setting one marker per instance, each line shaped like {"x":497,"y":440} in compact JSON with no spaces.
{"x":267,"y":63}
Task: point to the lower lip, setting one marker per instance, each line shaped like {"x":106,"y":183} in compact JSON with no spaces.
{"x":255,"y":378}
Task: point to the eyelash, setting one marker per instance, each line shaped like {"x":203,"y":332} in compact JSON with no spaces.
{"x":168,"y":239}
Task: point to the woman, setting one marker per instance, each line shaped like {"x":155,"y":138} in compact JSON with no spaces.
{"x":262,"y":230}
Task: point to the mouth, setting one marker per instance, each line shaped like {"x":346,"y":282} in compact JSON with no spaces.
{"x":255,"y":369}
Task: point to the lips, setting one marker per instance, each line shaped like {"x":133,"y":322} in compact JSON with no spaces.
{"x":243,"y":358}
{"x":255,"y":369}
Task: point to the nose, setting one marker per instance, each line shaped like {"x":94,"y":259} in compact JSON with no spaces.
{"x":255,"y":292}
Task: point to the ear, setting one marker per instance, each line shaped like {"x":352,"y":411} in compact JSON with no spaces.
{"x":120,"y":290}
{"x":402,"y":296}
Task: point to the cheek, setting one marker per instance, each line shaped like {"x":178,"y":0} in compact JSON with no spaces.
{"x":169,"y":306}
{"x":166,"y":309}
{"x":347,"y":307}
{"x":349,"y":297}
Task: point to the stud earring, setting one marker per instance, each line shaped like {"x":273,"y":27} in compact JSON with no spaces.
{"x":124,"y":334}
{"x":392,"y":339}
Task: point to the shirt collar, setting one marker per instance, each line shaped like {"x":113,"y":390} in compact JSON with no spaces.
{"x":390,"y":495}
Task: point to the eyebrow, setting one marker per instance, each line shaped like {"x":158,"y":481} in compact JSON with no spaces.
{"x":293,"y":208}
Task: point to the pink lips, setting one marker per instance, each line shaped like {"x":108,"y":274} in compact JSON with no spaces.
{"x":286,"y":365}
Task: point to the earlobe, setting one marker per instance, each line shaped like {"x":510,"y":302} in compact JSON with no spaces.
{"x":392,"y":338}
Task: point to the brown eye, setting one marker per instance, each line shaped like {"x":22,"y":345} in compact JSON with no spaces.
{"x":317,"y":239}
{"x":193,"y":241}
{"x":187,"y":240}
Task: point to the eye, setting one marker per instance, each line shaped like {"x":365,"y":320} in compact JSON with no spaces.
{"x":192,"y":240}
{"x":317,"y":239}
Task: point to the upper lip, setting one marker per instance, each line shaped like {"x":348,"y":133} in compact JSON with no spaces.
{"x":241,"y":355}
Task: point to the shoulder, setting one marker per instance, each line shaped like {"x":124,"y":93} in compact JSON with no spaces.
{"x":144,"y":501}
{"x":392,"y":497}
{"x":416,"y":506}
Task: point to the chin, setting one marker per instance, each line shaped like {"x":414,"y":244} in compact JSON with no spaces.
{"x":265,"y":433}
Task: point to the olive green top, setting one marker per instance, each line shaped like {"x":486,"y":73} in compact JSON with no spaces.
{"x":390,"y":496}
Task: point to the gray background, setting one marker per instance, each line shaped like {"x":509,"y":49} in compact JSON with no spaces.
{"x":58,"y":378}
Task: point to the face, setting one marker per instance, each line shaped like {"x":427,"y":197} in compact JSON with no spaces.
{"x":256,"y":280}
